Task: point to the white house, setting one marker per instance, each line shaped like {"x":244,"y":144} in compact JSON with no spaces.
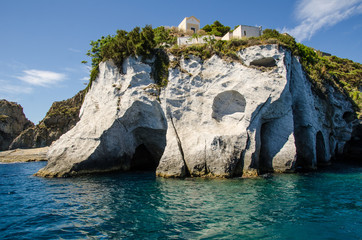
{"x":190,"y":23}
{"x":243,"y":31}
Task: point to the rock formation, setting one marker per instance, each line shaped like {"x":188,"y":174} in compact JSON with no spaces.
{"x":12,"y":122}
{"x":215,"y":118}
{"x":61,"y":117}
{"x":352,"y":151}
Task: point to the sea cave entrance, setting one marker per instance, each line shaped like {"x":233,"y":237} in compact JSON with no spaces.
{"x":320,"y":150}
{"x":143,"y":160}
{"x":150,"y":144}
{"x":145,"y":129}
{"x":266,"y":152}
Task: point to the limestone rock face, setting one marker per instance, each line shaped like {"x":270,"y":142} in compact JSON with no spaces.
{"x":61,"y":117}
{"x":121,"y":127}
{"x":12,"y":122}
{"x":214,"y":118}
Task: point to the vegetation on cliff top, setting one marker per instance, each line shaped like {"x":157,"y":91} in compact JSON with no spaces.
{"x":216,"y":29}
{"x":343,"y":74}
{"x":67,"y":109}
{"x":138,"y":42}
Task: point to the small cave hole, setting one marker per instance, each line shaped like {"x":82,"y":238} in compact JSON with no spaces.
{"x":264,"y":62}
{"x":143,"y":160}
{"x":348,"y":117}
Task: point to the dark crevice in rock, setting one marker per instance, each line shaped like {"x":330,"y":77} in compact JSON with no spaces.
{"x":349,"y":117}
{"x":265,"y":158}
{"x":320,"y":150}
{"x":187,"y":171}
{"x":143,"y":160}
{"x":205,"y":159}
{"x":239,"y":167}
{"x":264,"y":62}
{"x":352,"y":150}
{"x":305,"y":150}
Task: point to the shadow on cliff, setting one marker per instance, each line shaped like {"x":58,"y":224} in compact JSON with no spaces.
{"x":135,"y":141}
{"x":273,"y":125}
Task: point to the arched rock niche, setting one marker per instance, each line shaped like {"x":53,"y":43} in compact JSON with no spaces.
{"x":229,"y":104}
{"x":148,"y":126}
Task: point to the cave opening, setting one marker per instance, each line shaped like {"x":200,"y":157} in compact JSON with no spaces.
{"x":320,"y":150}
{"x":348,"y":117}
{"x":264,"y":62}
{"x":143,"y":160}
{"x":150,"y":144}
{"x":266,"y":152}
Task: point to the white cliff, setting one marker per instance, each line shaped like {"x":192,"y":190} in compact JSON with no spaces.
{"x":215,"y":118}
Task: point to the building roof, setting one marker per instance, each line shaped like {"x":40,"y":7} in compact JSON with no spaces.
{"x":193,"y":18}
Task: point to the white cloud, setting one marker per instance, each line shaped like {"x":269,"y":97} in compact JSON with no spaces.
{"x":74,"y":50}
{"x":14,"y":89}
{"x":41,"y":78}
{"x":314,"y":15}
{"x":84,"y":79}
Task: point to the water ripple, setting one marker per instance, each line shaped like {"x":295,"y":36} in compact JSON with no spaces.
{"x":323,"y":205}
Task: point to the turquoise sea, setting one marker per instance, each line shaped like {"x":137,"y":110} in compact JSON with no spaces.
{"x":318,"y":205}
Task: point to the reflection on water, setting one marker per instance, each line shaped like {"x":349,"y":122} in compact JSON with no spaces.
{"x":323,"y":205}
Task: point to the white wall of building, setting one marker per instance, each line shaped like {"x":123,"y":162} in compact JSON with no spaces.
{"x":237,"y":32}
{"x":227,"y":36}
{"x":248,"y":31}
{"x":188,"y":23}
{"x":182,"y":25}
{"x":243,"y":31}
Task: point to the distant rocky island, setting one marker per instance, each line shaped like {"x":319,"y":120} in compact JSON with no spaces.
{"x":18,"y":132}
{"x":236,"y":108}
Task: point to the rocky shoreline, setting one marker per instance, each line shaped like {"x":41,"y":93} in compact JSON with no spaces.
{"x":24,"y":155}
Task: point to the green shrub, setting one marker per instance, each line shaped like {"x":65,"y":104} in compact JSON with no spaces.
{"x":163,"y":36}
{"x":343,"y":74}
{"x":124,"y":44}
{"x":160,"y":68}
{"x":216,"y":29}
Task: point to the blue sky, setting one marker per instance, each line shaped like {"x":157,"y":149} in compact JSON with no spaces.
{"x":43,"y":42}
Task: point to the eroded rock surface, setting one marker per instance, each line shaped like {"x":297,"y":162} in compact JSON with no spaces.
{"x":214,"y":119}
{"x":121,"y":127}
{"x":12,"y":122}
{"x":61,"y":117}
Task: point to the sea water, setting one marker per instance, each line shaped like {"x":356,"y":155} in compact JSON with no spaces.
{"x":318,"y":205}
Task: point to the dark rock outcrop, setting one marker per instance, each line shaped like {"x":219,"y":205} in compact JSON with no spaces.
{"x":61,"y":117}
{"x":12,"y":122}
{"x":352,"y":151}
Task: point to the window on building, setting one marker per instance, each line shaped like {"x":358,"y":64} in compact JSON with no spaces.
{"x":244,"y":33}
{"x":193,"y":29}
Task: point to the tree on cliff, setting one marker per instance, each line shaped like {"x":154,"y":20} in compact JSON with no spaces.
{"x":216,"y":29}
